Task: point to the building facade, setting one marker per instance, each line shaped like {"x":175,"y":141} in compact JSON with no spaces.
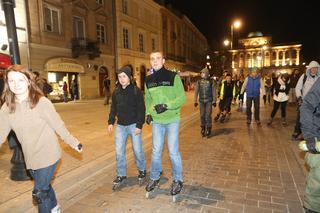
{"x":139,"y":33}
{"x":184,"y":46}
{"x":258,"y":51}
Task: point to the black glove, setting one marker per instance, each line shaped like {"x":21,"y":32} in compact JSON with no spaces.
{"x":149,"y":119}
{"x":214,"y":104}
{"x":299,"y":100}
{"x":160,"y":108}
{"x":196,"y":104}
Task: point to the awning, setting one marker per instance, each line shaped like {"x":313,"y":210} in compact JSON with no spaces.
{"x":5,"y":61}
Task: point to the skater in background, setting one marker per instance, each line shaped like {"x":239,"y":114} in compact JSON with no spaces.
{"x":128,"y":108}
{"x":164,"y":94}
{"x":280,"y":98}
{"x":303,"y":86}
{"x":294,"y":77}
{"x":74,"y":88}
{"x":253,"y":84}
{"x":205,"y":92}
{"x":227,"y":93}
{"x":26,"y":110}
{"x":268,"y":84}
{"x":240,"y":96}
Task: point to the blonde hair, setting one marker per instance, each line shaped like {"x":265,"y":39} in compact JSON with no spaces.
{"x":9,"y":98}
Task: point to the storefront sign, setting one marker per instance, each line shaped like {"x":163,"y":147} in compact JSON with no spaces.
{"x":64,"y":65}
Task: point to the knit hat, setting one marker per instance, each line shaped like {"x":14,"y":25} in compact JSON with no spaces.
{"x":253,"y":69}
{"x":126,"y":70}
{"x":313,"y":64}
{"x":205,"y":71}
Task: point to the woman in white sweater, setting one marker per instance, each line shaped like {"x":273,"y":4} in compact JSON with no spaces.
{"x":280,"y":98}
{"x":33,"y":118}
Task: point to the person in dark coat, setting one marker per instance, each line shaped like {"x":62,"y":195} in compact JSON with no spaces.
{"x":310,"y":127}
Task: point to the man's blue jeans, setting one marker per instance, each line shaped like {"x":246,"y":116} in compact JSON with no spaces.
{"x":122,"y":133}
{"x":42,"y":179}
{"x":158,"y":133}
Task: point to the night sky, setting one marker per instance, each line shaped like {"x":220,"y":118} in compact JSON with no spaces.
{"x":286,"y":21}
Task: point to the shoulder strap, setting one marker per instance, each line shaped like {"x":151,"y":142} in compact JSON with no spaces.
{"x":304,"y":79}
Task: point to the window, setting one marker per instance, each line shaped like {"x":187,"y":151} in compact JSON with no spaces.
{"x":99,"y":1}
{"x":51,"y":19}
{"x":101,"y":33}
{"x":125,"y":6}
{"x":141,"y":43}
{"x":126,"y":38}
{"x":78,"y":27}
{"x":153,"y":44}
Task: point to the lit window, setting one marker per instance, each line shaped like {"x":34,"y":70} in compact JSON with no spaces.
{"x":141,"y":43}
{"x":126,"y":38}
{"x":101,"y":33}
{"x":51,"y":19}
{"x":78,"y":27}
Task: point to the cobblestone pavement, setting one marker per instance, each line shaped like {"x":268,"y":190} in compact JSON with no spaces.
{"x":239,"y":169}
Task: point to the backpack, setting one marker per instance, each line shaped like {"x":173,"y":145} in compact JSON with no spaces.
{"x":303,"y":82}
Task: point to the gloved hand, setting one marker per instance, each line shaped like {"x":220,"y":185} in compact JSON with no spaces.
{"x":196,"y":104}
{"x":299,"y":100}
{"x":160,"y":108}
{"x":214,"y":104}
{"x":149,"y":119}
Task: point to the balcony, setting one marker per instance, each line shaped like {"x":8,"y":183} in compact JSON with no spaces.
{"x":84,"y":46}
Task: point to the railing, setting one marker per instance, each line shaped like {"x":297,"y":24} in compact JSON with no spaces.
{"x":84,"y":46}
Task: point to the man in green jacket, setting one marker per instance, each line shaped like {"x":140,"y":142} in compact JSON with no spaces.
{"x":164,"y":96}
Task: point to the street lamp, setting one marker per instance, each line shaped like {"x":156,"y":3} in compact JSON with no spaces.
{"x":236,"y":24}
{"x":226,"y":42}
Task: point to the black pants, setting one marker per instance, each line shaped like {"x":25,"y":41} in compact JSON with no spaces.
{"x":256,"y":102}
{"x":297,"y":127}
{"x":205,"y":114}
{"x":276,"y":105}
{"x":226,"y":104}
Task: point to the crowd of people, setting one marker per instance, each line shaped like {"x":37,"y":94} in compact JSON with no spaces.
{"x":24,"y":100}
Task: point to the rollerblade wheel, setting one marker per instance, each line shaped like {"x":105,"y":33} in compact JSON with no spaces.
{"x":141,"y":181}
{"x":148,"y":195}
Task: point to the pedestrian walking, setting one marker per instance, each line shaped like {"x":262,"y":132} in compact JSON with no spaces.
{"x":303,"y":86}
{"x":280,"y":98}
{"x":65,"y":92}
{"x":129,"y":109}
{"x":74,"y":88}
{"x":227,"y":93}
{"x":310,"y":126}
{"x":106,"y":89}
{"x":164,"y":95}
{"x":35,"y":121}
{"x":252,"y":85}
{"x":205,"y":95}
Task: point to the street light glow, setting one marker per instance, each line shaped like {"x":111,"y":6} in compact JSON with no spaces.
{"x":226,"y":42}
{"x":237,"y":24}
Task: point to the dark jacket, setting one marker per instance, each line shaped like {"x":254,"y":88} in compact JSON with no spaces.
{"x":277,"y":86}
{"x":128,"y":106}
{"x":206,"y":90}
{"x":310,"y":112}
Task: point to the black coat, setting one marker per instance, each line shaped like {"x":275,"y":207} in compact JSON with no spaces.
{"x":128,"y":106}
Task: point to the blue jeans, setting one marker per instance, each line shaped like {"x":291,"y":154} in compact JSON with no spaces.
{"x":122,"y":133}
{"x":42,"y":179}
{"x":158,"y":133}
